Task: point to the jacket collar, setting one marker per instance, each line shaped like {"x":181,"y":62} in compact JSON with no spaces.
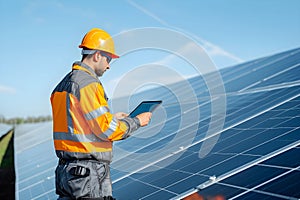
{"x":82,"y":66}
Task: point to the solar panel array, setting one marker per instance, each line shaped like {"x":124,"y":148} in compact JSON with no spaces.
{"x":261,"y":119}
{"x":256,"y":155}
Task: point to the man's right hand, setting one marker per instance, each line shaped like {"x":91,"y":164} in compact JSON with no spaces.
{"x":144,"y":118}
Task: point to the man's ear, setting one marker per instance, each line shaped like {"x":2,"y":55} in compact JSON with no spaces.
{"x":96,"y":57}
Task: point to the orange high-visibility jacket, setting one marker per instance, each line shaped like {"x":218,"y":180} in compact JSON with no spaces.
{"x":83,"y":127}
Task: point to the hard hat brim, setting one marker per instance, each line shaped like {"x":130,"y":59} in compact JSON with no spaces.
{"x":114,"y":56}
{"x":111,"y":54}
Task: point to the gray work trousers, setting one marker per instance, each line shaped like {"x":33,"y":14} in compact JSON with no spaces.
{"x":83,"y":179}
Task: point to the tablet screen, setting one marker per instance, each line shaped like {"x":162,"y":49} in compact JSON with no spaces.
{"x":145,"y":106}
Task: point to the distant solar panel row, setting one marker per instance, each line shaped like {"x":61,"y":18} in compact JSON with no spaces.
{"x":35,"y":161}
{"x":4,"y":129}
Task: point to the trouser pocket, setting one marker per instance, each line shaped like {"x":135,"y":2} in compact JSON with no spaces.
{"x":78,"y":180}
{"x":98,"y":173}
{"x":81,"y":179}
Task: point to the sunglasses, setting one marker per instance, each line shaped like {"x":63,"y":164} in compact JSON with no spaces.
{"x":108,"y":58}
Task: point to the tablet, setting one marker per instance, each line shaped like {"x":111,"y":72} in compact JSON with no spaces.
{"x":145,"y":106}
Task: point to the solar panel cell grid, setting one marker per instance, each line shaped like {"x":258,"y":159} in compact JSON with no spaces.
{"x":231,"y":163}
{"x":159,"y":194}
{"x":199,"y":165}
{"x":286,"y":185}
{"x":290,"y":76}
{"x":223,"y":190}
{"x":287,"y":159}
{"x":269,"y":146}
{"x":248,"y":139}
{"x":138,"y":190}
{"x":254,"y":176}
{"x":261,"y":181}
{"x":256,"y":195}
{"x":186,"y":184}
{"x":261,"y":70}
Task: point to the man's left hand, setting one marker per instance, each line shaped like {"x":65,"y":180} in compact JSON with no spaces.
{"x":120,"y":115}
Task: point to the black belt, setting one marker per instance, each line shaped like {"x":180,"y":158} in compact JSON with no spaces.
{"x":84,"y":198}
{"x":62,"y":161}
{"x":101,"y":198}
{"x":90,"y":198}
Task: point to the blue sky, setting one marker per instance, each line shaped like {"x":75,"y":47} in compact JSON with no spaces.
{"x":40,"y":38}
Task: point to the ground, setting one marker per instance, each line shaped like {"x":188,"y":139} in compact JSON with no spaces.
{"x":7,"y":170}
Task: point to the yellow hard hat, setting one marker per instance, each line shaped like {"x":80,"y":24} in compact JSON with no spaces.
{"x":98,"y":39}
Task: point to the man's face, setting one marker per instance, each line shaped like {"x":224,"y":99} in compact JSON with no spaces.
{"x":102,"y":65}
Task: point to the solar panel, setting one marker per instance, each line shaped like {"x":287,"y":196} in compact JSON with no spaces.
{"x":256,"y":152}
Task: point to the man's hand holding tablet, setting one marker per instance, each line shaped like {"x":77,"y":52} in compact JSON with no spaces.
{"x":144,"y":111}
{"x":144,"y":118}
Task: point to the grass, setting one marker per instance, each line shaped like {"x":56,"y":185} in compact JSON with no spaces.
{"x":4,"y":143}
{"x":7,"y":169}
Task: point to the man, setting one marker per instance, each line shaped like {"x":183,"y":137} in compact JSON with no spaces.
{"x":83,"y":127}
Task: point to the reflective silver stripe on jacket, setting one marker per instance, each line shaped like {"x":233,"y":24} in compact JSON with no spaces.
{"x":113,"y":125}
{"x":78,"y":137}
{"x":97,"y":113}
{"x":69,"y":117}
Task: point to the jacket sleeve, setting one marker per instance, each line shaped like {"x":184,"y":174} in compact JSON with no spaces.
{"x":132,"y":125}
{"x":97,"y":114}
